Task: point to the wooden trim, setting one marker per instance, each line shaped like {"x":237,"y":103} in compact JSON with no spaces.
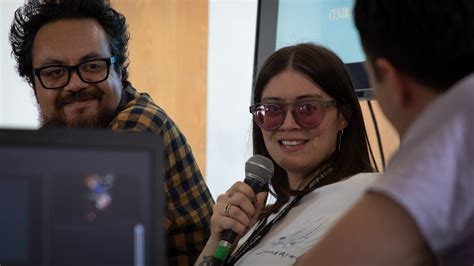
{"x":168,"y":59}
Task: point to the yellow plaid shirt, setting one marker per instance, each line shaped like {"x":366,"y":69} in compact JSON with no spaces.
{"x":189,"y":202}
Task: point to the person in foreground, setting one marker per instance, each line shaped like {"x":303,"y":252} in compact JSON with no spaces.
{"x":421,"y":211}
{"x":307,"y":119}
{"x":74,"y":55}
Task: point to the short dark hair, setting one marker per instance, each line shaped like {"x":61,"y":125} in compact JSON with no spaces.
{"x":324,"y":68}
{"x":431,"y":41}
{"x":36,"y":13}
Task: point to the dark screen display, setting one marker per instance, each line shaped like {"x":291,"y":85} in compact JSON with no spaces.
{"x":14,"y":205}
{"x":92,"y":203}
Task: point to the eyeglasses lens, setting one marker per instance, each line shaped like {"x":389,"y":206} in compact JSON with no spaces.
{"x":271,"y":116}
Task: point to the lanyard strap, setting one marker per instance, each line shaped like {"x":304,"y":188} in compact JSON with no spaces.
{"x":263,"y":227}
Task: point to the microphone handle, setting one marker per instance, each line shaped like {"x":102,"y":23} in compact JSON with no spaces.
{"x":228,"y":236}
{"x":257,"y":186}
{"x":222,"y":252}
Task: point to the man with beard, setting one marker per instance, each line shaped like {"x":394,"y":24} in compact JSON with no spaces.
{"x":74,"y":55}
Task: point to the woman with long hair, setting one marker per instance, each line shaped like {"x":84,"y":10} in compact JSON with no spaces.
{"x":308,"y":122}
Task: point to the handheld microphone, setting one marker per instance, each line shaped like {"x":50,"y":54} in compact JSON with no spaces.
{"x":258,"y":172}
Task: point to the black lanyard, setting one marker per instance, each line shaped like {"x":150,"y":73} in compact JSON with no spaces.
{"x":263,"y":227}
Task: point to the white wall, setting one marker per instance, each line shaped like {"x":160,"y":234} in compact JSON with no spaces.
{"x":17,"y":102}
{"x":232,"y":27}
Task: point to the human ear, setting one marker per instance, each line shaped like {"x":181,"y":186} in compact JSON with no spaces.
{"x":342,"y":122}
{"x":394,"y":82}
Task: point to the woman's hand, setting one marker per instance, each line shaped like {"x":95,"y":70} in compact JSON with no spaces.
{"x":237,"y":209}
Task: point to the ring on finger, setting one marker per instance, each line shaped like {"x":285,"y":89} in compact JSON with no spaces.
{"x":227,"y":209}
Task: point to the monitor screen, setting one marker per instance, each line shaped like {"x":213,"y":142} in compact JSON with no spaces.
{"x":80,"y":197}
{"x":328,"y":23}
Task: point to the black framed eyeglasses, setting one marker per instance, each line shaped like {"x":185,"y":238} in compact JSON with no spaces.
{"x":90,"y":71}
{"x":307,"y":113}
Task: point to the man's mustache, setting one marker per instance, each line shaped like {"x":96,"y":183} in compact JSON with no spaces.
{"x":75,"y":96}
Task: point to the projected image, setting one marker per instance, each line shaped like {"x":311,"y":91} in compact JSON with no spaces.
{"x":329,"y":23}
{"x":325,"y":22}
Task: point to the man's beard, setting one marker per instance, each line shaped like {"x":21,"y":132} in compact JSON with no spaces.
{"x":102,"y":118}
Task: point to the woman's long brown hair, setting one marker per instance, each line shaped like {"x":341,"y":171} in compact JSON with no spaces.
{"x":328,"y":72}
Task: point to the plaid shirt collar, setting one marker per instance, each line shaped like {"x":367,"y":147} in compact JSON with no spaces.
{"x":132,"y":97}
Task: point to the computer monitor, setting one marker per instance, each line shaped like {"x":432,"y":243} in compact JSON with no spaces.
{"x":81,"y":197}
{"x":329,"y":23}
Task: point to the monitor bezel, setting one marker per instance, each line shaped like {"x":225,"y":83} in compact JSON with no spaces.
{"x":110,"y":141}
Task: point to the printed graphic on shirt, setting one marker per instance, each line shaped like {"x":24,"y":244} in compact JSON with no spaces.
{"x":297,"y":242}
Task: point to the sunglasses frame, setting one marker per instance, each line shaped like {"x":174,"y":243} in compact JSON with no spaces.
{"x":255,"y":108}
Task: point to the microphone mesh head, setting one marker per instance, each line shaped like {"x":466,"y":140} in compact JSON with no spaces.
{"x":259,"y":167}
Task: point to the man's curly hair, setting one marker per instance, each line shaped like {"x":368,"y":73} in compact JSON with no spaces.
{"x":34,"y":14}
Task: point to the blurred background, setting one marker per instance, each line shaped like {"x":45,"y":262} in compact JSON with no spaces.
{"x":196,"y":59}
